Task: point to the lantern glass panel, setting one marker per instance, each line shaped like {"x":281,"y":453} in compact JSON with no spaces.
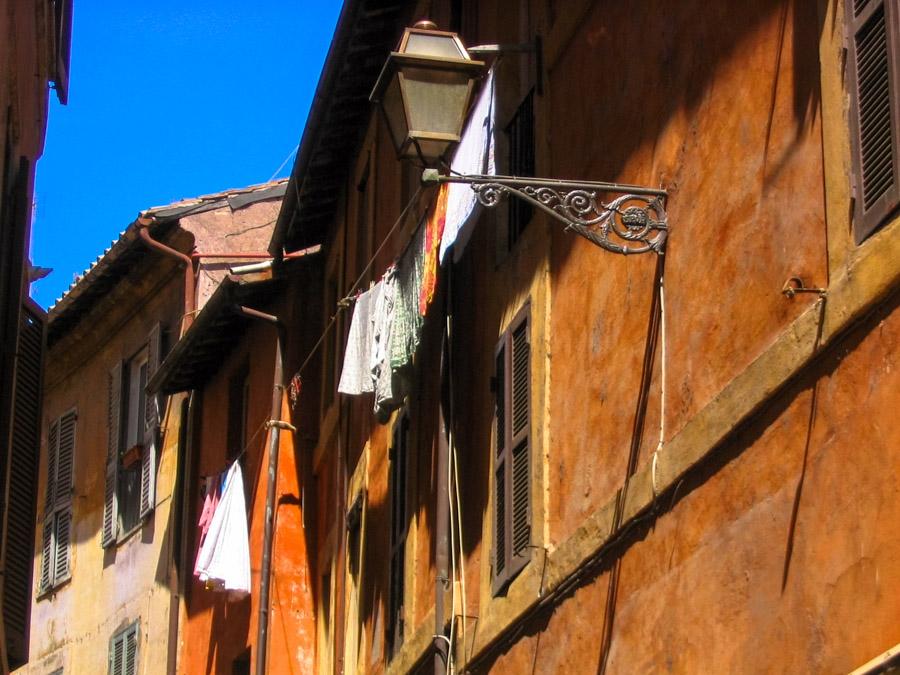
{"x":437,"y":100}
{"x":433,"y":45}
{"x":392,"y":103}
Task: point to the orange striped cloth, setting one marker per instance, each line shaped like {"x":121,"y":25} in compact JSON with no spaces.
{"x":434,"y":230}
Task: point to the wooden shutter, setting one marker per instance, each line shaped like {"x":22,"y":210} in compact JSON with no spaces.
{"x":151,"y":427}
{"x":117,"y":655}
{"x":873,"y":28}
{"x":47,"y":548}
{"x":65,"y":462}
{"x":130,"y":639}
{"x":114,"y":420}
{"x":512,"y":462}
{"x":46,"y":555}
{"x":23,"y":476}
{"x":399,"y":530}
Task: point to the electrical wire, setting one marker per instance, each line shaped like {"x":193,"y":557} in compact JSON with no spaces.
{"x":662,"y":386}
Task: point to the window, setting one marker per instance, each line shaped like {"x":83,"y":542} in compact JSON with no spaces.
{"x":123,"y":651}
{"x":56,"y":537}
{"x":132,"y":442}
{"x":399,"y":528}
{"x":874,"y":36}
{"x":520,"y":133}
{"x":512,"y":471}
{"x":238,"y":402}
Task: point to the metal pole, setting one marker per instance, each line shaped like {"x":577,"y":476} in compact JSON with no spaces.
{"x":275,"y":424}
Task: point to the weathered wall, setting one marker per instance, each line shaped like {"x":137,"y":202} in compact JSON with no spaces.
{"x":785,"y":539}
{"x":111,"y":587}
{"x":726,"y":107}
{"x":216,"y":630}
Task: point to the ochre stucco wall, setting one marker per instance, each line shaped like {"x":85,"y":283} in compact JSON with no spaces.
{"x":725,"y":581}
{"x":109,"y":588}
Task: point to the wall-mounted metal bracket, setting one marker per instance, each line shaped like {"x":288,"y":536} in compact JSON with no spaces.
{"x":795,"y":285}
{"x":535,"y":47}
{"x":633,"y":222}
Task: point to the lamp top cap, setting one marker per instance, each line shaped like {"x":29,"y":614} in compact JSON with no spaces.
{"x":425,"y":24}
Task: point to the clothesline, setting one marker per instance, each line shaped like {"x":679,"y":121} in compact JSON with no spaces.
{"x":239,"y":455}
{"x":345,"y":302}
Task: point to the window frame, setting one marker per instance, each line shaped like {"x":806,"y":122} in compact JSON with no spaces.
{"x":508,"y":562}
{"x":857,"y":15}
{"x":121,"y":636}
{"x":57,"y":506}
{"x":146,"y":426}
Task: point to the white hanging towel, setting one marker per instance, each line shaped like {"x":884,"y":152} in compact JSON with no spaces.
{"x":224,"y":558}
{"x":356,"y":373}
{"x":475,"y":155}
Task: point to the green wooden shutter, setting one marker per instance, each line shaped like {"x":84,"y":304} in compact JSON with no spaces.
{"x":151,"y":427}
{"x":123,"y":651}
{"x":873,"y":28}
{"x":114,"y":411}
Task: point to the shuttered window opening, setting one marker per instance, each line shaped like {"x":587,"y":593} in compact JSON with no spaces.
{"x":520,"y":133}
{"x":56,"y":537}
{"x":133,"y":441}
{"x":123,"y":651}
{"x":23,"y":481}
{"x":399,"y":467}
{"x":512,"y":461}
{"x":874,"y":85}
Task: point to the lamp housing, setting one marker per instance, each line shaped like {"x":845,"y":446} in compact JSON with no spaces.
{"x":424,"y":91}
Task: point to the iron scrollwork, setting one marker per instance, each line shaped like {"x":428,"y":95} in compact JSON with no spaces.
{"x":634,"y":222}
{"x":629,"y":224}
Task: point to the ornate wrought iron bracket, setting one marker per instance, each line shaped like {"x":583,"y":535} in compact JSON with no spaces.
{"x":633,"y":222}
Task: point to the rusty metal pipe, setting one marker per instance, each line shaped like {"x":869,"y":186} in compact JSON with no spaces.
{"x":275,"y":424}
{"x":256,"y":255}
{"x":190,"y":302}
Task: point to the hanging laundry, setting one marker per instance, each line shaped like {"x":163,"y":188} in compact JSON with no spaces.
{"x":408,"y":322}
{"x":224,"y":558}
{"x":356,"y":373}
{"x":388,"y":392}
{"x":474,"y":155}
{"x":210,"y":501}
{"x":434,"y":228}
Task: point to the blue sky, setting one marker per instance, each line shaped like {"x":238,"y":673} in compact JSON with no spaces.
{"x":169,"y":100}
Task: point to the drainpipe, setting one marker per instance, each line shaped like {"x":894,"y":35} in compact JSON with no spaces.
{"x":189,"y":300}
{"x":275,"y":424}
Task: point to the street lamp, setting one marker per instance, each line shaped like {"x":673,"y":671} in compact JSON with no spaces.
{"x":424,"y":91}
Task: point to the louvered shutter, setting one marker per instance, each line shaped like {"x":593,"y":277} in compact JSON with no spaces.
{"x":130,"y":648}
{"x":47,"y":547}
{"x":116,"y":655}
{"x":47,"y":563}
{"x":873,"y":28}
{"x":110,"y":505}
{"x":65,"y":462}
{"x":23,"y":482}
{"x":519,"y":469}
{"x":151,"y":426}
{"x":501,"y":555}
{"x":512,"y":463}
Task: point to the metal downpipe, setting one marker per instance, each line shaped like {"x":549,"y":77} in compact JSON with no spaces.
{"x":275,"y":424}
{"x":190,"y":303}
